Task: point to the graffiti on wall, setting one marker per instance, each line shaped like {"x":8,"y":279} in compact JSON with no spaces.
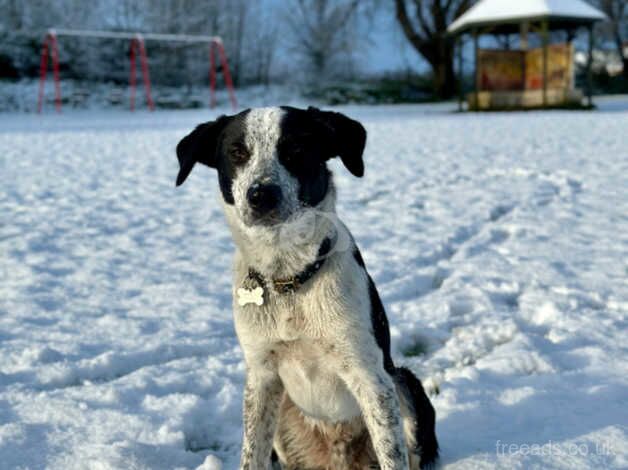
{"x":509,"y":70}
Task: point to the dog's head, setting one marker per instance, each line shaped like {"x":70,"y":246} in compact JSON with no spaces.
{"x":271,"y":162}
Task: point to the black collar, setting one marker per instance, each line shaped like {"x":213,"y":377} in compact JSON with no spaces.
{"x":292,"y":284}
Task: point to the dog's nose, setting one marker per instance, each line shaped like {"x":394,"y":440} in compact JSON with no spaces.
{"x":264,"y":197}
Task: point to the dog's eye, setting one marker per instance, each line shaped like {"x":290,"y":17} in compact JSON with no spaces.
{"x":239,"y":154}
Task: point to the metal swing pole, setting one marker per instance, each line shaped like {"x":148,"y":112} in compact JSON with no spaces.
{"x":137,"y":45}
{"x":217,"y":44}
{"x":49,"y":47}
{"x":212,"y":76}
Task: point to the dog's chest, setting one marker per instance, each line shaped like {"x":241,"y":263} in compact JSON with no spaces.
{"x":291,"y":324}
{"x":296,"y":334}
{"x":281,"y":318}
{"x":308,"y":370}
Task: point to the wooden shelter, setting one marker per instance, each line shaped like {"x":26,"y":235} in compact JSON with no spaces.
{"x":523,"y":77}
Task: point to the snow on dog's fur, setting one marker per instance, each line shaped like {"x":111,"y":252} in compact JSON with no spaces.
{"x":321,"y":389}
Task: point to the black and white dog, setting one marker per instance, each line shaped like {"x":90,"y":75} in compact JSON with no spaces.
{"x":321,"y":390}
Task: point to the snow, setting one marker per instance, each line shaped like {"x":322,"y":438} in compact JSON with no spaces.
{"x":499,"y":244}
{"x":488,"y":11}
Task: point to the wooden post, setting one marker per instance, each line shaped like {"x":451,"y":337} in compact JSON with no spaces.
{"x":460,"y":75}
{"x":570,"y":59}
{"x":544,"y":35}
{"x":524,"y":28}
{"x":476,"y":92}
{"x":523,"y":35}
{"x":590,"y":68}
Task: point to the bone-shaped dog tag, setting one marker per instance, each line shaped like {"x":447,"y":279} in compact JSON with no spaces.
{"x":253,"y":296}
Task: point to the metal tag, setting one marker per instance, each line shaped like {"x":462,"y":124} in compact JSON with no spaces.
{"x":250,"y":296}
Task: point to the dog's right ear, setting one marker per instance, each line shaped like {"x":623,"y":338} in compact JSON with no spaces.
{"x":346,"y":137}
{"x":200,"y":146}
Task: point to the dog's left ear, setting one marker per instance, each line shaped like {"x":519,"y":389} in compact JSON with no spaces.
{"x":200,"y":146}
{"x":347,"y":138}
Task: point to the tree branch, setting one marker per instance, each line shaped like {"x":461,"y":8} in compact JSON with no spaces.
{"x":427,"y":30}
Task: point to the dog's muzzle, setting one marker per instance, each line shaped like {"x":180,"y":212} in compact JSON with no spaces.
{"x":264,"y":198}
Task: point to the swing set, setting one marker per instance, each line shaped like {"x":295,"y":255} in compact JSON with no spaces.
{"x":137,"y":48}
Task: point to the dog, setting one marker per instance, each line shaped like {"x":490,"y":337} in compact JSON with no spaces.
{"x":322,"y":391}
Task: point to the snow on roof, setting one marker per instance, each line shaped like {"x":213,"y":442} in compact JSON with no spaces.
{"x":504,"y":11}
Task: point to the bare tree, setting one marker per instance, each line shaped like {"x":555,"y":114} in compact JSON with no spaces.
{"x":325,"y":35}
{"x":261,"y":43}
{"x":240,"y":15}
{"x":617,"y":26}
{"x":427,"y":33}
{"x":323,"y":31}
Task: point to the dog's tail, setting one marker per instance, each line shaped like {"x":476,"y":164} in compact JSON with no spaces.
{"x":417,"y":402}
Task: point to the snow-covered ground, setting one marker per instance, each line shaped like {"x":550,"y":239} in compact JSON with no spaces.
{"x":499,"y":243}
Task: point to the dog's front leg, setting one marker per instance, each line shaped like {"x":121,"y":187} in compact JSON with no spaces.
{"x":262,"y":395}
{"x":375,"y":392}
